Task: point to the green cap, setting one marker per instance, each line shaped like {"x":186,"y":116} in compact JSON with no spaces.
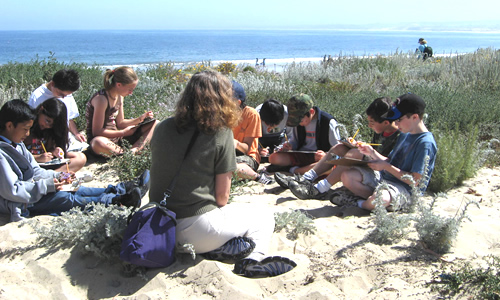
{"x":298,"y":106}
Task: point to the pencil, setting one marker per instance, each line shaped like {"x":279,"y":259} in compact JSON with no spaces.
{"x":373,"y":144}
{"x":67,"y":167}
{"x":286,"y":137}
{"x":43,"y":146}
{"x":355,"y":134}
{"x":261,"y":145}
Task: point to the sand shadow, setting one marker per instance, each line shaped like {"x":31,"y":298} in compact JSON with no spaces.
{"x":275,"y":190}
{"x":336,"y":211}
{"x":104,"y":279}
{"x":285,"y":199}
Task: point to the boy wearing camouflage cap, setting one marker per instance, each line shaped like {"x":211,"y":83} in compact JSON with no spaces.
{"x":313,"y":130}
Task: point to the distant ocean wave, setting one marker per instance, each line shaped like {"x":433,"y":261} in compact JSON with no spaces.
{"x":279,"y":47}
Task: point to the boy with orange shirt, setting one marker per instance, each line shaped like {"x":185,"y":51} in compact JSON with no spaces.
{"x":246,"y":140}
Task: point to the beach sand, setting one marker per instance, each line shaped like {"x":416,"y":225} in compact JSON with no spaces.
{"x":333,"y":263}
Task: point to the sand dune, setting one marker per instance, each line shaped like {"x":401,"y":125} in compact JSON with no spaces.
{"x":334,"y":263}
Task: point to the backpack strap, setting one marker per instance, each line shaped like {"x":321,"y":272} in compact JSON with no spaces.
{"x":150,"y":205}
{"x":170,"y":188}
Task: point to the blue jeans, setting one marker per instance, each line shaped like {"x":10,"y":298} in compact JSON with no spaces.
{"x":55,"y":203}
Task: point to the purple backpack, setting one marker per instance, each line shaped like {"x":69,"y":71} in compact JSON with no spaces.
{"x":149,"y":239}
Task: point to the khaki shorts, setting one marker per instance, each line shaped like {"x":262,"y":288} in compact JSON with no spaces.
{"x":373,"y":178}
{"x":248,"y":160}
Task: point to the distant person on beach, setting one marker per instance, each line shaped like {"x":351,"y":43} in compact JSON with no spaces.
{"x":314,"y":131}
{"x":246,"y":139}
{"x":216,"y":229}
{"x":408,"y":157}
{"x":385,"y":134}
{"x":26,"y":189}
{"x":424,"y":50}
{"x":273,"y":116}
{"x":49,"y":136}
{"x":63,"y":84}
{"x":106,"y":124}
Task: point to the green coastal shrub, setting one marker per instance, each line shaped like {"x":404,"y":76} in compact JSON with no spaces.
{"x":96,"y":230}
{"x":435,"y":231}
{"x":461,"y":93}
{"x":459,"y":157}
{"x":129,"y":165}
{"x":294,"y":223}
{"x":466,"y":281}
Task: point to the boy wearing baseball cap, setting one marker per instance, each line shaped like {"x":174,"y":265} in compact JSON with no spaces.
{"x":313,"y":130}
{"x":246,"y":139}
{"x":414,"y":144}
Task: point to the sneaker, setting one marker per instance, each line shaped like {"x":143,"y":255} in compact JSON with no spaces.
{"x":342,"y":196}
{"x":264,"y":179}
{"x":142,"y":182}
{"x":235,"y":249}
{"x":305,"y":190}
{"x":268,"y":267}
{"x":284,"y":180}
{"x":130,"y":199}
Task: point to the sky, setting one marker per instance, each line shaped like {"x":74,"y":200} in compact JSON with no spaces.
{"x":243,"y":14}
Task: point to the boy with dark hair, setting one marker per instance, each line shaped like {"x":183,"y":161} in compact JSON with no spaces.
{"x":62,"y":86}
{"x":26,"y":188}
{"x":408,"y":157}
{"x":385,"y":133}
{"x":273,"y":116}
{"x":313,"y":131}
{"x":246,"y":139}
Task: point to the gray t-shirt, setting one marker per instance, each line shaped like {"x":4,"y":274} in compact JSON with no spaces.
{"x":194,"y":193}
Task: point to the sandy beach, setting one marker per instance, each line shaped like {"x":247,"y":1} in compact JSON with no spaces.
{"x":333,"y":263}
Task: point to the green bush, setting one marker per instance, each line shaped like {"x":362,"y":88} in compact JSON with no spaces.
{"x":294,"y":223}
{"x":97,"y":230}
{"x":456,"y":90}
{"x":468,"y":282}
{"x":458,"y":158}
{"x":129,"y":165}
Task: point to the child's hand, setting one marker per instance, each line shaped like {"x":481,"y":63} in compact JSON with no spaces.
{"x":130,"y":130}
{"x":366,"y":149}
{"x":147,"y":115}
{"x":67,"y":177}
{"x":319,"y":155}
{"x":58,"y":184}
{"x":58,"y":152}
{"x":286,"y":147}
{"x":264,"y":151}
{"x":45,"y":157}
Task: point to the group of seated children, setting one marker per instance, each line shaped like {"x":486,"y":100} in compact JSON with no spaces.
{"x":403,"y":143}
{"x":56,"y":110}
{"x":40,"y":132}
{"x":226,"y":143}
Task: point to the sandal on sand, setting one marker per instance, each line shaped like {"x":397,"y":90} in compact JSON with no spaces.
{"x":234,"y":249}
{"x":268,"y":267}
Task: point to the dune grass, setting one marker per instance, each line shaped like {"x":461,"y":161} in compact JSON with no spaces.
{"x":461,"y":93}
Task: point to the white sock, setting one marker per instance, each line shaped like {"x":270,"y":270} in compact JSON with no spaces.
{"x":360,"y":203}
{"x":310,"y":175}
{"x":323,"y":186}
{"x":292,"y":169}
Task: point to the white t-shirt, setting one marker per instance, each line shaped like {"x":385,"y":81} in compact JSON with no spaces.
{"x":42,"y":93}
{"x":278,"y":129}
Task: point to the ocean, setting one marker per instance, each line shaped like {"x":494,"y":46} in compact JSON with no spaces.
{"x":129,"y":47}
